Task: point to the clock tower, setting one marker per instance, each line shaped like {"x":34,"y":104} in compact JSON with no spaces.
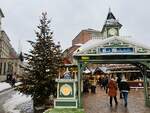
{"x":111,"y":26}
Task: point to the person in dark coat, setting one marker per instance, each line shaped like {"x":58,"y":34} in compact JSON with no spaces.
{"x":105,"y":82}
{"x":112,"y":90}
{"x":9,"y":77}
{"x":86,"y":86}
{"x":13,"y":80}
{"x":125,"y":88}
{"x":119,"y":81}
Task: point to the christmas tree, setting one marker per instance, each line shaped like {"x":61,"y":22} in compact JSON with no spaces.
{"x":43,"y":61}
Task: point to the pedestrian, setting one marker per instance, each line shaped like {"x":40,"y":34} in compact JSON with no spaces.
{"x":13,"y":80}
{"x":8,"y":78}
{"x":118,"y":82}
{"x":86,"y":85}
{"x":112,"y":90}
{"x":93,"y":86}
{"x":100,"y":80}
{"x":125,"y":88}
{"x":105,"y":82}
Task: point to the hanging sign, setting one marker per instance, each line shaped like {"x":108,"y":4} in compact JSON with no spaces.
{"x":85,"y":58}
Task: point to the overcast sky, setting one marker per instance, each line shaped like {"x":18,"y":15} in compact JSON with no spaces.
{"x":69,"y":17}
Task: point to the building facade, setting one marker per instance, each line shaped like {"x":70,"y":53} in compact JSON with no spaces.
{"x":105,"y":42}
{"x":85,"y":35}
{"x":9,"y":60}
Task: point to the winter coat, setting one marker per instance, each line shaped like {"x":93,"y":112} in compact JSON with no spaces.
{"x":112,"y":88}
{"x":119,"y":81}
{"x":124,"y":86}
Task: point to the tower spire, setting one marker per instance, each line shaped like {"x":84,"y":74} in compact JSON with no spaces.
{"x":109,"y":10}
{"x":19,"y":46}
{"x":110,"y":15}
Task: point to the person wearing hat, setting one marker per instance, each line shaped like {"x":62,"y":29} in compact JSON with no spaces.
{"x":125,"y":88}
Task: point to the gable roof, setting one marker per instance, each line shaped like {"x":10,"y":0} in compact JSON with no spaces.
{"x":87,"y":71}
{"x":98,"y":42}
{"x":101,"y":70}
{"x":110,"y":16}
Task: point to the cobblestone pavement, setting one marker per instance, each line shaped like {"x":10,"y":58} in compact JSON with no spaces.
{"x":99,"y":103}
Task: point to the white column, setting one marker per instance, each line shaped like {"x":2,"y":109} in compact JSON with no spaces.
{"x":6,"y":68}
{"x":0,"y":22}
{"x":2,"y":70}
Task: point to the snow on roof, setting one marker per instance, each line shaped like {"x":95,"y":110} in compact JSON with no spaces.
{"x":111,"y":22}
{"x":88,"y":45}
{"x":104,"y":69}
{"x":96,"y":42}
{"x":93,"y":30}
{"x":87,"y":71}
{"x":79,"y":44}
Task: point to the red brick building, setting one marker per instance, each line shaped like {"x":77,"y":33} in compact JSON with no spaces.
{"x":85,"y":35}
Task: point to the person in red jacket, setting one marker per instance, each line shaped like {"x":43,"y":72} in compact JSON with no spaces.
{"x":112,"y":90}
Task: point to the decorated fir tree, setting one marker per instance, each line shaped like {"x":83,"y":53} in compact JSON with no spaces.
{"x":43,"y":61}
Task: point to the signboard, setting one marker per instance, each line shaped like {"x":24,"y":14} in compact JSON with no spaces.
{"x":116,"y":50}
{"x":85,"y":58}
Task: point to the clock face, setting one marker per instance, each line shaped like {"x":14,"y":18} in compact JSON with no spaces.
{"x":112,"y":31}
{"x":66,"y":89}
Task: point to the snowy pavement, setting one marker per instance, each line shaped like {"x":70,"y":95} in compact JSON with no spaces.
{"x":5,"y":86}
{"x":16,"y":99}
{"x":10,"y":99}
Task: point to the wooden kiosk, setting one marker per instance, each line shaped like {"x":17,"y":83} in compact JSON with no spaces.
{"x":66,"y":87}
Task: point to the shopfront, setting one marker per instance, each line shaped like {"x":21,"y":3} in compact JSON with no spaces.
{"x":115,"y":50}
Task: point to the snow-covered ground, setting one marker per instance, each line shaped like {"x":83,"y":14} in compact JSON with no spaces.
{"x":4,"y":85}
{"x":13,"y":102}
